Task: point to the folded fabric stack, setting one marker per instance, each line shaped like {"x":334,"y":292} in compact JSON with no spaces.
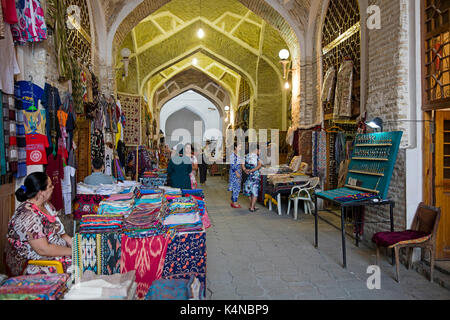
{"x":34,"y":287}
{"x":123,"y":205}
{"x":104,"y":287}
{"x":103,"y":189}
{"x":182,"y":214}
{"x":145,"y":218}
{"x":101,"y":223}
{"x":193,"y":192}
{"x":154,"y":178}
{"x":171,"y":193}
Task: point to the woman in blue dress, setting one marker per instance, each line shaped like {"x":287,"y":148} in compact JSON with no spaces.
{"x":235,"y":176}
{"x":251,"y":185}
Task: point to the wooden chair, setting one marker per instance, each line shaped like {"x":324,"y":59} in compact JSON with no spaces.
{"x":421,"y":235}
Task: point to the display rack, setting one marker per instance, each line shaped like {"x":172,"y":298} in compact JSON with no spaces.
{"x":368,"y":179}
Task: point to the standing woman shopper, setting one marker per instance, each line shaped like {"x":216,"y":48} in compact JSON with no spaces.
{"x":34,"y":231}
{"x":235,"y":176}
{"x":190,"y":153}
{"x":251,"y":185}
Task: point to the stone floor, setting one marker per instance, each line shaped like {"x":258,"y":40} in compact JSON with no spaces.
{"x":264,"y":256}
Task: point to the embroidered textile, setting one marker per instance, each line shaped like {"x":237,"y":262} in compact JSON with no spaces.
{"x":186,"y":256}
{"x":344,"y":86}
{"x":131,"y":107}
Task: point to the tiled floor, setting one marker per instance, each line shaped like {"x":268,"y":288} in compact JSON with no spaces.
{"x":266,"y":256}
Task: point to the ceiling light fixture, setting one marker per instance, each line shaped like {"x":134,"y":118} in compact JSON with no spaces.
{"x":200,"y":32}
{"x":125,"y":53}
{"x":194,"y":61}
{"x":227,"y":108}
{"x":287,"y":86}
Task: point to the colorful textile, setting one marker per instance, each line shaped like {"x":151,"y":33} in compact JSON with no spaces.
{"x":147,"y":256}
{"x":131,"y":107}
{"x":356,"y":197}
{"x":99,"y":253}
{"x":26,"y":224}
{"x":34,"y":287}
{"x":176,"y":289}
{"x":186,"y":256}
{"x":101,"y":223}
{"x":86,"y":204}
{"x":31,"y":26}
{"x":36,"y":144}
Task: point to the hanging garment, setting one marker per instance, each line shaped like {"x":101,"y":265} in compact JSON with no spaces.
{"x":329,"y":85}
{"x":10,"y":130}
{"x":9,"y":11}
{"x":108,"y":161}
{"x":35,"y":122}
{"x":97,"y":145}
{"x":2,"y":141}
{"x":55,"y":171}
{"x":29,"y":95}
{"x":31,"y":26}
{"x":8,"y":66}
{"x":344,"y":86}
{"x":36,"y":144}
{"x":51,"y":101}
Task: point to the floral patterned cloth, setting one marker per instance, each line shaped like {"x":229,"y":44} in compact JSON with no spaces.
{"x":31,"y":26}
{"x":251,"y":185}
{"x":29,"y":223}
{"x":186,"y":257}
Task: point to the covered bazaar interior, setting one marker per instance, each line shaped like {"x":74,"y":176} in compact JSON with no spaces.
{"x":128,"y":126}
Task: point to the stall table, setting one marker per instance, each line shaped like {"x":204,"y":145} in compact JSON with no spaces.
{"x":356,"y":223}
{"x":279,"y":189}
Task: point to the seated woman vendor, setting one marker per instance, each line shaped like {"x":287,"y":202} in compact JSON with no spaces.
{"x":34,"y":231}
{"x":98,"y":177}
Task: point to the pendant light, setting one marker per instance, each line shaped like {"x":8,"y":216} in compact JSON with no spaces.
{"x":200,"y":32}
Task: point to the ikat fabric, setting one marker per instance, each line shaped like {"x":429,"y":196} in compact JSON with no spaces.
{"x":99,"y":253}
{"x":147,"y":257}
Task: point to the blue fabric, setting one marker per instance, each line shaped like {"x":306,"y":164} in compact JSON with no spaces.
{"x":28,"y":93}
{"x":168,"y":289}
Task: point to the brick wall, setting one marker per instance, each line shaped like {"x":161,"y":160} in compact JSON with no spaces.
{"x":387,"y":86}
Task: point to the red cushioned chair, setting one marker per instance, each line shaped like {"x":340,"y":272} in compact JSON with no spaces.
{"x":421,"y":235}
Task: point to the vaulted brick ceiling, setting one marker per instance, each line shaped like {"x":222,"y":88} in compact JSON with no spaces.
{"x":237,"y":40}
